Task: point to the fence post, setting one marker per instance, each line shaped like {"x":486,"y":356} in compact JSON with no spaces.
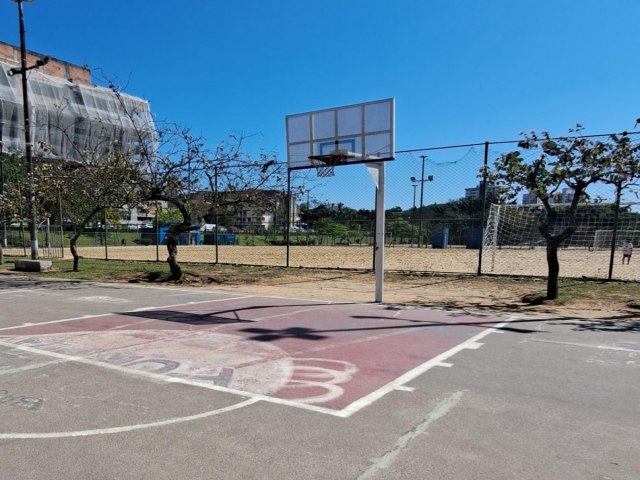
{"x":61,"y":224}
{"x":47,"y":237}
{"x":483,"y":203}
{"x":612,"y":257}
{"x":24,"y":247}
{"x":104,"y":228}
{"x":373,"y":233}
{"x":157,"y":235}
{"x":423,"y":157}
{"x":217,"y":210}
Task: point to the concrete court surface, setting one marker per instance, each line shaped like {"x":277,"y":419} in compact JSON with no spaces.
{"x":118,"y":381}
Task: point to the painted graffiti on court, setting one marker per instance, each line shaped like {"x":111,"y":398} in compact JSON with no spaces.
{"x":317,"y":380}
{"x":216,"y":359}
{"x":11,"y":399}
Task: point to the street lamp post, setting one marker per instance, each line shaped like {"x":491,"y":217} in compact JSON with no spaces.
{"x":422,"y":179}
{"x":33,"y":222}
{"x":413,"y":211}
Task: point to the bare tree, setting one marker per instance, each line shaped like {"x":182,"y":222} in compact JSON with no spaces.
{"x":178,"y":168}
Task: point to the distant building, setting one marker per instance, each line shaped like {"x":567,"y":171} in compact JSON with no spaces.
{"x":137,"y":218}
{"x":530,"y":198}
{"x":475,"y":192}
{"x":268,"y":212}
{"x":564,"y":196}
{"x":254,"y":208}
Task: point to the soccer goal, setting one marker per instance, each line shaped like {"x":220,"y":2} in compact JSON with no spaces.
{"x":513,"y":241}
{"x":603,"y":239}
{"x":517,"y":226}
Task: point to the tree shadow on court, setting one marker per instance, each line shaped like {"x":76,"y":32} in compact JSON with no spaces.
{"x":189,"y":318}
{"x":304,"y":333}
{"x":619,"y":323}
{"x":218,"y":317}
{"x":301,"y":333}
{"x":496,"y":324}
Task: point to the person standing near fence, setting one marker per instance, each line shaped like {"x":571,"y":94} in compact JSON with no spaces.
{"x":627,"y":250}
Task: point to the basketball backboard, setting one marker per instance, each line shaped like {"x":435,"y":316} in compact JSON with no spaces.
{"x":361,"y":133}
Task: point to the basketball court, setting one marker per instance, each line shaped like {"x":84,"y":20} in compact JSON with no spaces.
{"x":126,"y":381}
{"x":234,"y":350}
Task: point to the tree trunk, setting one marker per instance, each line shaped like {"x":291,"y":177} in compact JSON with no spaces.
{"x":73,"y":242}
{"x":554,"y":270}
{"x":172,"y":260}
{"x":73,"y":247}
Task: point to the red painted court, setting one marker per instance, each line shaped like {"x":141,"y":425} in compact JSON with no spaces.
{"x":329,"y":357}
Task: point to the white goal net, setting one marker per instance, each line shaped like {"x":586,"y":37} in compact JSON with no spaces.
{"x":513,"y":242}
{"x":603,"y":239}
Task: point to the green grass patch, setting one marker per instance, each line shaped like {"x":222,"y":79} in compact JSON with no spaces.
{"x":138,"y":271}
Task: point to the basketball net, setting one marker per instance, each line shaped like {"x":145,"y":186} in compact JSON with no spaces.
{"x":325,"y":165}
{"x":325,"y":170}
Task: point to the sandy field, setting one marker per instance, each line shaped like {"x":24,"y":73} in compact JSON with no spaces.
{"x":573,"y":263}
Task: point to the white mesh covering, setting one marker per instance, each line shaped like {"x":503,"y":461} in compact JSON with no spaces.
{"x":68,"y":120}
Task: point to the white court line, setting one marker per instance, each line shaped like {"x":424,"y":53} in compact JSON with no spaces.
{"x":439,"y":360}
{"x":166,"y":378}
{"x":215,"y":300}
{"x":31,"y":324}
{"x":142,"y":309}
{"x":397,"y":384}
{"x":126,"y":428}
{"x":599,"y":347}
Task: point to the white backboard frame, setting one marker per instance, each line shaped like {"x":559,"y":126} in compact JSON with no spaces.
{"x":359,"y":133}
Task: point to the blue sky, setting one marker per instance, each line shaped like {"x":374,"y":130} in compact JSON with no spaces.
{"x":461,"y":71}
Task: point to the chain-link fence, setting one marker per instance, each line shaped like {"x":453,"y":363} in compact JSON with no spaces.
{"x":442,"y":213}
{"x":16,"y":240}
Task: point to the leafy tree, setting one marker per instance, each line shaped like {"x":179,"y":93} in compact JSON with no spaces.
{"x":169,"y":215}
{"x":113,"y":217}
{"x":14,"y":203}
{"x":330,"y":228}
{"x":575,"y":162}
{"x":400,"y":229}
{"x":98,"y":182}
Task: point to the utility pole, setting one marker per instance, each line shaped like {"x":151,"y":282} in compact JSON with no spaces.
{"x":33,"y":210}
{"x":421,"y":180}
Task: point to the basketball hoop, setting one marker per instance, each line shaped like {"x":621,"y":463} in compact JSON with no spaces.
{"x":325,"y":164}
{"x":325,"y":170}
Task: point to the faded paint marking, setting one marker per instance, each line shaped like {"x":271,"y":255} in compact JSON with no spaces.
{"x":385,"y":461}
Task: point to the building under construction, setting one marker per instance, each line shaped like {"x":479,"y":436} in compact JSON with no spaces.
{"x":71,"y":117}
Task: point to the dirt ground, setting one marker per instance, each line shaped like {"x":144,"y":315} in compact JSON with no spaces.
{"x":453,"y":292}
{"x":461,"y":292}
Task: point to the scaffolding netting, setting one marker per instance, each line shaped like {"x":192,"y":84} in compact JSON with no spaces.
{"x":69,"y":120}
